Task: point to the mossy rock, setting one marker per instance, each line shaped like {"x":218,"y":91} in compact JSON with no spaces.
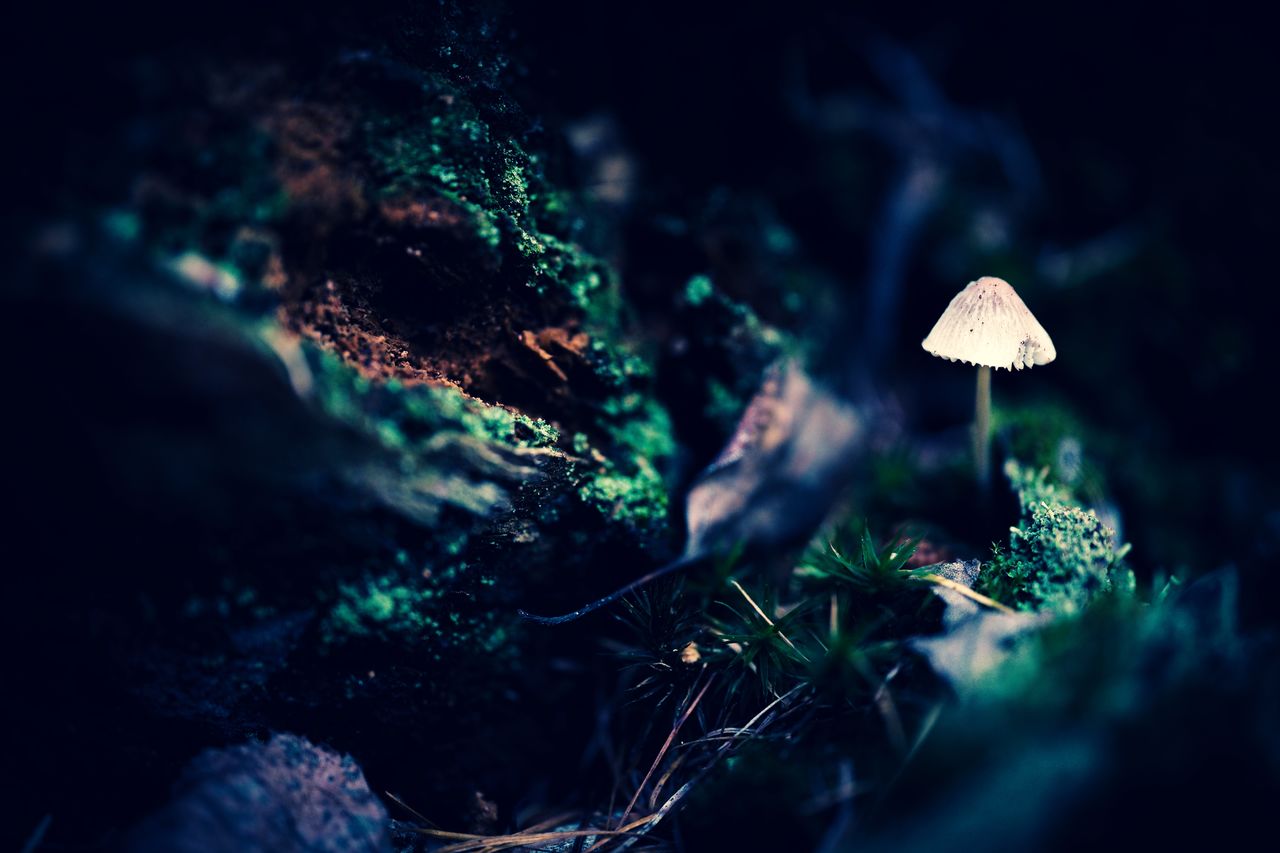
{"x":388,"y":400}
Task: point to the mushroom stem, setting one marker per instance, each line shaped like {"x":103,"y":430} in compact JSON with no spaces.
{"x":982,"y":429}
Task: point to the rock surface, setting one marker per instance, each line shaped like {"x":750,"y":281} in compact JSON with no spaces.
{"x":287,"y":795}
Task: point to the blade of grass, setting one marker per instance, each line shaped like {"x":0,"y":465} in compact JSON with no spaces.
{"x":688,"y":711}
{"x":410,"y":809}
{"x":769,"y":621}
{"x":947,"y":583}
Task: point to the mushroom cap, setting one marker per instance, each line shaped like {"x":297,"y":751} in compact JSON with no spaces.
{"x":988,"y":324}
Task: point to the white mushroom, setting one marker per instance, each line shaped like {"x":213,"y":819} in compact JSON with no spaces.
{"x":987,"y":324}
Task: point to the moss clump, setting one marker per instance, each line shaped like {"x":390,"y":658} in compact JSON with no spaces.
{"x":447,"y":150}
{"x":698,"y":290}
{"x":418,"y":614}
{"x":1060,"y":557}
{"x":384,"y":238}
{"x":739,"y":320}
{"x":631,"y":489}
{"x":1034,"y":487}
{"x":393,"y":411}
{"x":436,"y":404}
{"x":626,"y":485}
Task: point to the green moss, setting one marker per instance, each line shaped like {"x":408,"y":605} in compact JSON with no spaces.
{"x":618,"y":368}
{"x":698,"y":290}
{"x":440,"y":146}
{"x":1034,"y":487}
{"x":448,"y":150}
{"x":392,"y":411}
{"x":1061,"y":556}
{"x":632,"y":488}
{"x":123,"y":225}
{"x":639,"y":498}
{"x":418,"y":612}
{"x":724,"y":406}
{"x":515,"y":181}
{"x":445,"y":151}
{"x":642,"y":425}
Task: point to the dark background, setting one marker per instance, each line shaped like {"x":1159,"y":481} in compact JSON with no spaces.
{"x":1156,"y":124}
{"x":1152,"y":122}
